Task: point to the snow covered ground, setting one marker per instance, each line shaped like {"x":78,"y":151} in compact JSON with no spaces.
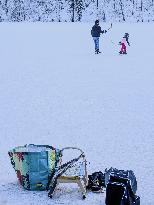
{"x":54,"y":90}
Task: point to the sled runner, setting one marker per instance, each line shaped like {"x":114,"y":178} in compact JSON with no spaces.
{"x":73,"y":171}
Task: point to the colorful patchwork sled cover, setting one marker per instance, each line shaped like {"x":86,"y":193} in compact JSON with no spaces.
{"x":34,"y":164}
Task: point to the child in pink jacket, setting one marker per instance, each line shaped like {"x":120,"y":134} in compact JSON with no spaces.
{"x":123,"y":44}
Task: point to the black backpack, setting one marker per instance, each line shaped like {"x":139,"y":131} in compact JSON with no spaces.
{"x":121,"y":187}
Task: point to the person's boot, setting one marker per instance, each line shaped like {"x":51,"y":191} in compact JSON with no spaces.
{"x":98,"y":51}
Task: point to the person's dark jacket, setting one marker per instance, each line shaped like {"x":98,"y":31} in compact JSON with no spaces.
{"x":96,"y":31}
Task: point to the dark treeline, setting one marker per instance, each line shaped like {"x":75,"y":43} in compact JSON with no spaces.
{"x":77,"y":10}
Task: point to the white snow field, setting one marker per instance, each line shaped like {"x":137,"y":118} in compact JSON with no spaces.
{"x":54,"y":90}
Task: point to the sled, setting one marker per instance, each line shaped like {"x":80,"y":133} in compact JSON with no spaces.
{"x":73,"y":171}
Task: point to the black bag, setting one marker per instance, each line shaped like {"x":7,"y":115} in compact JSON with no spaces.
{"x":115,"y":194}
{"x":96,"y":181}
{"x":120,"y":194}
{"x":127,"y":176}
{"x":121,"y":187}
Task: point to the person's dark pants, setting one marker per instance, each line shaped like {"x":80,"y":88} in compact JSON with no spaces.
{"x":96,"y":41}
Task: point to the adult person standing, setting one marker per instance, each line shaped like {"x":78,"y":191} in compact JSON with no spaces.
{"x":95,"y":32}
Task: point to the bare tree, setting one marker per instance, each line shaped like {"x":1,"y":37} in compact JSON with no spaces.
{"x":122,"y":11}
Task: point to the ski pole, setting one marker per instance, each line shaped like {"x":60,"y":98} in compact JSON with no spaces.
{"x":110,"y":27}
{"x":113,"y":42}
